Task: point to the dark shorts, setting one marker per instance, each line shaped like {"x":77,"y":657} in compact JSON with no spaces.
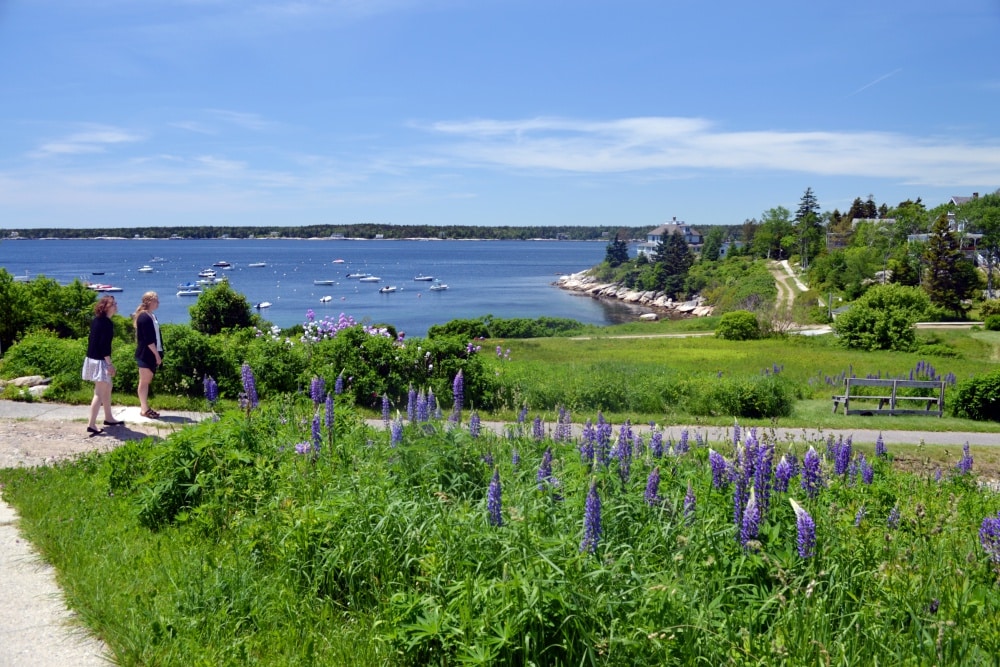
{"x":146,"y":360}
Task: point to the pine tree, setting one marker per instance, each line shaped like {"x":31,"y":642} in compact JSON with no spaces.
{"x":947,"y":278}
{"x":807,"y":227}
{"x":617,"y":252}
{"x":674,"y":258}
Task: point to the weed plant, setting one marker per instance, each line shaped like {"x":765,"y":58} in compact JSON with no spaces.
{"x":277,"y":535}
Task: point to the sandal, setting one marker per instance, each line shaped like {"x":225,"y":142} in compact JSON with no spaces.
{"x":150,"y":414}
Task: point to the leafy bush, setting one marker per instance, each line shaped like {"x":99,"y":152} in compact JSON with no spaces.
{"x":992,"y":322}
{"x":738,"y":325}
{"x":45,"y":353}
{"x":882,"y":319}
{"x":978,"y":398}
{"x":754,"y":396}
{"x":220,"y":307}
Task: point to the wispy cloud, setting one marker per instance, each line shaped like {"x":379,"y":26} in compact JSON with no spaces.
{"x":247,"y":121}
{"x":876,"y":81}
{"x":666,"y":145}
{"x":92,"y":140}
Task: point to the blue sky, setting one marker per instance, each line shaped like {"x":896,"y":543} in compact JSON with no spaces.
{"x":500,"y":112}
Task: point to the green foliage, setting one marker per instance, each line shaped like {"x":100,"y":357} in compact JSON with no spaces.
{"x":45,"y":353}
{"x":978,"y":398}
{"x":738,"y":325}
{"x":989,"y":307}
{"x":992,"y":322}
{"x":882,"y":319}
{"x":42,"y":303}
{"x":749,"y":396}
{"x":488,"y":326}
{"x":189,"y":356}
{"x":218,"y":308}
{"x":617,"y":252}
{"x":950,"y":278}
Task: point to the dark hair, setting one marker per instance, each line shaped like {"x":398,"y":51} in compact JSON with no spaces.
{"x":103,"y":305}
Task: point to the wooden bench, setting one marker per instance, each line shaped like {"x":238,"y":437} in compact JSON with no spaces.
{"x":890,"y":396}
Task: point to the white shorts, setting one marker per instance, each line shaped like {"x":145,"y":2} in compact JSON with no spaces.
{"x":95,"y":370}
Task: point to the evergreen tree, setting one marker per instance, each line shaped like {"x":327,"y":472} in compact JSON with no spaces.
{"x":948,"y":280}
{"x":713,"y":243}
{"x":673,"y":258}
{"x":617,"y":252}
{"x":807,"y":227}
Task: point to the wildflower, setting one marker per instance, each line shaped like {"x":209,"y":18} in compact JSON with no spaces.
{"x":842,"y":456}
{"x":563,"y":426}
{"x":893,"y":520}
{"x":385,"y":409}
{"x":591,"y":520}
{"x":750,"y":526}
{"x":515,"y":459}
{"x":859,"y":516}
{"x":316,"y":389}
{"x":867,"y":472}
{"x":682,"y":444}
{"x":964,"y":465}
{"x":211,"y":389}
{"x":494,"y":502}
{"x":587,"y":442}
{"x":395,"y":432}
{"x":422,"y":414}
{"x":411,"y":403}
{"x":317,"y":436}
{"x":474,"y":424}
{"x":812,"y":475}
{"x":249,"y":386}
{"x":989,"y":537}
{"x":329,"y":411}
{"x":880,"y":447}
{"x":545,"y":469}
{"x":537,"y":430}
{"x":653,"y":487}
{"x":338,"y":385}
{"x":782,"y":475}
{"x":720,"y":469}
{"x":522,"y":414}
{"x":736,"y":433}
{"x":806,"y":530}
{"x":689,"y":503}
{"x":303,"y":448}
{"x":458,"y":391}
{"x":656,"y":444}
{"x":763,"y":472}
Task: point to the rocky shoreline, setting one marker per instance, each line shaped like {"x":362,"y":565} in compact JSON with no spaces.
{"x":657,"y":302}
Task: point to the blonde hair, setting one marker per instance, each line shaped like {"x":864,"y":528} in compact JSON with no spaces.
{"x":145,"y":305}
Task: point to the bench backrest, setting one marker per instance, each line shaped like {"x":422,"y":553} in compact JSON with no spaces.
{"x":889,"y":382}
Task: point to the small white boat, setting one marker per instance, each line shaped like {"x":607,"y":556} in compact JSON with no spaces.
{"x":369,"y":279}
{"x":423,"y":278}
{"x":257,"y":265}
{"x":357,"y":275}
{"x":323,"y":282}
{"x":223,"y":264}
{"x":263,"y":304}
{"x":156,"y":259}
{"x":101,"y":287}
{"x":145,"y":269}
{"x":438,"y":287}
{"x":206,"y":273}
{"x":187,"y":286}
{"x":387,"y":289}
{"x":326,"y":299}
{"x":188,"y":292}
{"x":338,"y":261}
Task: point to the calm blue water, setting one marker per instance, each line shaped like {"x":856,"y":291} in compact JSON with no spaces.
{"x":502,"y":278}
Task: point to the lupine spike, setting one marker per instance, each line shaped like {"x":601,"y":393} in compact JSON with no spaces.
{"x":494,"y":501}
{"x":750,"y":525}
{"x":689,"y":503}
{"x":653,"y":487}
{"x":249,"y":386}
{"x":806,"y":530}
{"x":591,"y":520}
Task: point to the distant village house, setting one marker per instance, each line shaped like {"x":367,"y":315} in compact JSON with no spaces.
{"x":693,"y":237}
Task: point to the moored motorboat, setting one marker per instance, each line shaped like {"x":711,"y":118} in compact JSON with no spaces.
{"x":187,"y":286}
{"x":370,"y":279}
{"x":338,"y":261}
{"x":387,"y":289}
{"x":423,"y":278}
{"x":207,"y":273}
{"x":102,"y":287}
{"x":326,"y":299}
{"x":146,"y":268}
{"x":263,"y":304}
{"x":223,"y":264}
{"x":357,"y":275}
{"x":189,"y":292}
{"x":438,"y":287}
{"x":257,"y":265}
{"x":323,"y":282}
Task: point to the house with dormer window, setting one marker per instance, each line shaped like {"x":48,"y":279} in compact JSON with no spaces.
{"x":656,"y":236}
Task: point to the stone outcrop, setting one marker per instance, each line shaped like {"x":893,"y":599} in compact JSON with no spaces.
{"x":657,"y":302}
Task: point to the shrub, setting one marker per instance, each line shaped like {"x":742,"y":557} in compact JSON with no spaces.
{"x":978,"y":398}
{"x":42,"y":352}
{"x":882,"y":319}
{"x":189,"y":356}
{"x":758,"y":397}
{"x":738,"y":325}
{"x":220,"y":307}
{"x":989,"y":307}
{"x":992,"y":322}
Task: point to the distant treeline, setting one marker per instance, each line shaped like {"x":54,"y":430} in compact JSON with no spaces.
{"x":363,"y":231}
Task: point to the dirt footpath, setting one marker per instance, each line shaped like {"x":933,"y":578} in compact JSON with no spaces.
{"x":42,"y":441}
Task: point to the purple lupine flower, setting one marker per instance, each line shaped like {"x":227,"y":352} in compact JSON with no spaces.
{"x":494,"y":503}
{"x":656,"y":444}
{"x":937,"y":475}
{"x":385,"y":409}
{"x":964,"y":465}
{"x":812,"y":474}
{"x":653,"y":487}
{"x":487,"y":458}
{"x":782,"y":475}
{"x":604,"y":432}
{"x":316,"y":389}
{"x":458,"y":392}
{"x":591,"y":520}
{"x":396,"y":433}
{"x":842,"y":456}
{"x":411,"y":404}
{"x":537,"y":430}
{"x":880,"y":447}
{"x":432,"y":404}
{"x":545,"y":469}
{"x":720,"y":469}
{"x":522,"y":414}
{"x":682,"y":444}
{"x":689,"y":503}
{"x":317,"y":433}
{"x":249,"y":386}
{"x":422,"y":414}
{"x":338,"y":385}
{"x":736,"y":433}
{"x":989,"y":537}
{"x":806,"y":530}
{"x":587,"y":442}
{"x":867,"y":472}
{"x":515,"y":459}
{"x":474,"y":424}
{"x":303,"y":448}
{"x":750,"y":525}
{"x":698,"y":439}
{"x":329,"y":412}
{"x":893,"y":520}
{"x":563,"y":426}
{"x":859,"y":516}
{"x":211,"y":389}
{"x":763,"y":472}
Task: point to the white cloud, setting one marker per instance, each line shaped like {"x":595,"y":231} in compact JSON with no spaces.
{"x":95,"y":140}
{"x":676,"y":144}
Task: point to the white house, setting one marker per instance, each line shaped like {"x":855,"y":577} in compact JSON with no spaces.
{"x":656,"y":236}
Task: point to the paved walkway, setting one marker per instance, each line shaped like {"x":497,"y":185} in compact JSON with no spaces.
{"x":37,"y":630}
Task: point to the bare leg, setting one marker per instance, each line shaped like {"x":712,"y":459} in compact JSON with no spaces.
{"x":145,"y":377}
{"x":103,"y":389}
{"x":95,"y":405}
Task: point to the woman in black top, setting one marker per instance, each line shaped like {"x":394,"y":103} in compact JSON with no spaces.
{"x":97,"y":367}
{"x":148,"y":349}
